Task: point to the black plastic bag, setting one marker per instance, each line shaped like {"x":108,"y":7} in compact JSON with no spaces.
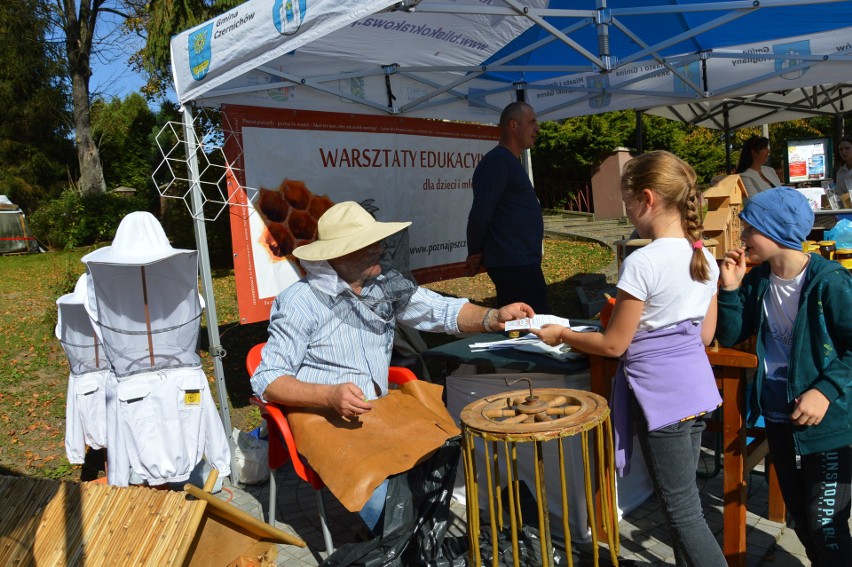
{"x":416,"y":518}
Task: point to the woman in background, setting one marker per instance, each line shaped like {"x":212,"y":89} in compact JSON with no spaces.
{"x":754,"y":172}
{"x":843,"y":177}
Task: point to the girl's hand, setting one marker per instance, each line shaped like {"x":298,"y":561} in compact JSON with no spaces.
{"x":810,"y":408}
{"x":733,"y":268}
{"x":550,"y":334}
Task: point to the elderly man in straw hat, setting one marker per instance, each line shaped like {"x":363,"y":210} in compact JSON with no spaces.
{"x":331,"y":333}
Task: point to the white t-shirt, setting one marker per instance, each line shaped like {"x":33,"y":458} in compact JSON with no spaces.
{"x":658,"y":274}
{"x":781,"y":304}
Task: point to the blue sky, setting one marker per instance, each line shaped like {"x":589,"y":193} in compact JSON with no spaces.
{"x":112,"y":75}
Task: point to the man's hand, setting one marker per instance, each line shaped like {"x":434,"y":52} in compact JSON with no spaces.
{"x":348,"y":400}
{"x":810,"y":408}
{"x":511,"y":312}
{"x":733,"y":268}
{"x":472,"y":264}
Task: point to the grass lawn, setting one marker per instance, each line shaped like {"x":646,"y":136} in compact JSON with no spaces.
{"x":34,"y":371}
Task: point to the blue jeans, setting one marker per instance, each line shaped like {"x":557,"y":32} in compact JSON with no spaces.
{"x":372,"y":511}
{"x":671,"y":454}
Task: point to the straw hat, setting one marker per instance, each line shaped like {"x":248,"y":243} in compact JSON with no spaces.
{"x":139,"y":240}
{"x":345,"y":228}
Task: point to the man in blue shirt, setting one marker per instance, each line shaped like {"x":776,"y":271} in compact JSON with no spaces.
{"x":331,"y":333}
{"x":505,"y":228}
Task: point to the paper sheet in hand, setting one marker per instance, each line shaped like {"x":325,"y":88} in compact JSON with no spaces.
{"x":529,"y":343}
{"x":536,"y":322}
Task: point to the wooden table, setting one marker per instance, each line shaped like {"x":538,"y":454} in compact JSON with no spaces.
{"x":730,"y":367}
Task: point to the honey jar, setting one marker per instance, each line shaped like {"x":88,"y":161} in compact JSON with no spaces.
{"x":808,"y":245}
{"x":827,"y":248}
{"x":844,"y":256}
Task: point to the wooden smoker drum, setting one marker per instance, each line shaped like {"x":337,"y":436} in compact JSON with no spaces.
{"x":538,"y":416}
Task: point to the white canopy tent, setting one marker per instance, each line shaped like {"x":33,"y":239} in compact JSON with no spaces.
{"x":463,"y":59}
{"x":762,"y":108}
{"x":466,"y":59}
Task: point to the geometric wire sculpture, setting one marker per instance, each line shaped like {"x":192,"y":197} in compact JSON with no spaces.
{"x":209,"y":136}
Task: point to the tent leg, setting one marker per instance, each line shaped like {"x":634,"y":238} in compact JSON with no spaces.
{"x":728,"y":169}
{"x":640,"y":132}
{"x":526,"y":157}
{"x":216,"y":350}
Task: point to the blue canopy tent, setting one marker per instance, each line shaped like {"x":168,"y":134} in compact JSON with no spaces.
{"x":466,"y":59}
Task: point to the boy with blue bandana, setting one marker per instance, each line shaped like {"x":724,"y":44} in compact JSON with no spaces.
{"x":799,"y":305}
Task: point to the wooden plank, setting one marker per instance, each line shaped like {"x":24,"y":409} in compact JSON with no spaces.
{"x":755,"y":452}
{"x":734,"y":485}
{"x":777,"y":508}
{"x":261,"y":554}
{"x":242,"y":519}
{"x":191,"y":528}
{"x":722,"y":356}
{"x":218,"y":542}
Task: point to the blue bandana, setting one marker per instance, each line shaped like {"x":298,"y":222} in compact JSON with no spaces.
{"x":782,"y":214}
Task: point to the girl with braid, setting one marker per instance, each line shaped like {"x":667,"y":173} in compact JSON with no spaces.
{"x":665,"y":314}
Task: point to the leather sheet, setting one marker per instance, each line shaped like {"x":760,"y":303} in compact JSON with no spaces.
{"x":354,"y":456}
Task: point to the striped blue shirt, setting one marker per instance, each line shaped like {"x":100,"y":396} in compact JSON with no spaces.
{"x":324,"y":339}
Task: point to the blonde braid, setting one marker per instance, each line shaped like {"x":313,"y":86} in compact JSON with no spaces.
{"x":699,"y":268}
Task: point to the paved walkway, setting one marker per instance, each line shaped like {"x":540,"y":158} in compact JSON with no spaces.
{"x":643,"y":534}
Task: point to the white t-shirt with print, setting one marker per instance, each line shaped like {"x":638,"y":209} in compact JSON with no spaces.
{"x":780,"y":304}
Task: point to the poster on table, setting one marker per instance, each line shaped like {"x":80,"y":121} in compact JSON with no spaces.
{"x":291,"y":165}
{"x":807,"y":160}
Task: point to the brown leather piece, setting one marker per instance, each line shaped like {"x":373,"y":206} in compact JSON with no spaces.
{"x":355,"y":456}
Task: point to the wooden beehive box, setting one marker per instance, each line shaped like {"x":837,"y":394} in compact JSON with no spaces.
{"x":724,"y":202}
{"x":47,"y":522}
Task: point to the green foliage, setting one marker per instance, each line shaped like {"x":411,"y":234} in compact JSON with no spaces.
{"x":704,"y":150}
{"x":122,"y":129}
{"x":162,"y":19}
{"x":74,"y":220}
{"x":572,"y":147}
{"x":179,"y":226}
{"x":34,"y":144}
{"x":567,"y":152}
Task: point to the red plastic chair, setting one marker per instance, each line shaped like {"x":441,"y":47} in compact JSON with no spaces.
{"x":282,"y":445}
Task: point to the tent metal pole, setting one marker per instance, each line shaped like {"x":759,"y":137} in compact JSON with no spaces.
{"x":215,"y":349}
{"x":727,"y":139}
{"x":838,"y":125}
{"x":640,"y":132}
{"x":526,"y":156}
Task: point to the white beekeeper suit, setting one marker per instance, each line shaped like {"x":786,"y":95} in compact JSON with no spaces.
{"x":85,"y":408}
{"x":143,"y":298}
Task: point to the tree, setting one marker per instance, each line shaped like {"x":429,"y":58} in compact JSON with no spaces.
{"x":78,"y":25}
{"x":122,"y":130}
{"x":162,"y":19}
{"x":33,"y":106}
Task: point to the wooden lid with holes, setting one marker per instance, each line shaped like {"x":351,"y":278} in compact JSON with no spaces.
{"x":538,"y":414}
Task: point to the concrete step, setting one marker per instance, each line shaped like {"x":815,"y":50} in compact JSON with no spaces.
{"x":604,"y":232}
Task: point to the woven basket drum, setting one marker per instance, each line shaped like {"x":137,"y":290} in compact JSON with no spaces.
{"x":540,"y":417}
